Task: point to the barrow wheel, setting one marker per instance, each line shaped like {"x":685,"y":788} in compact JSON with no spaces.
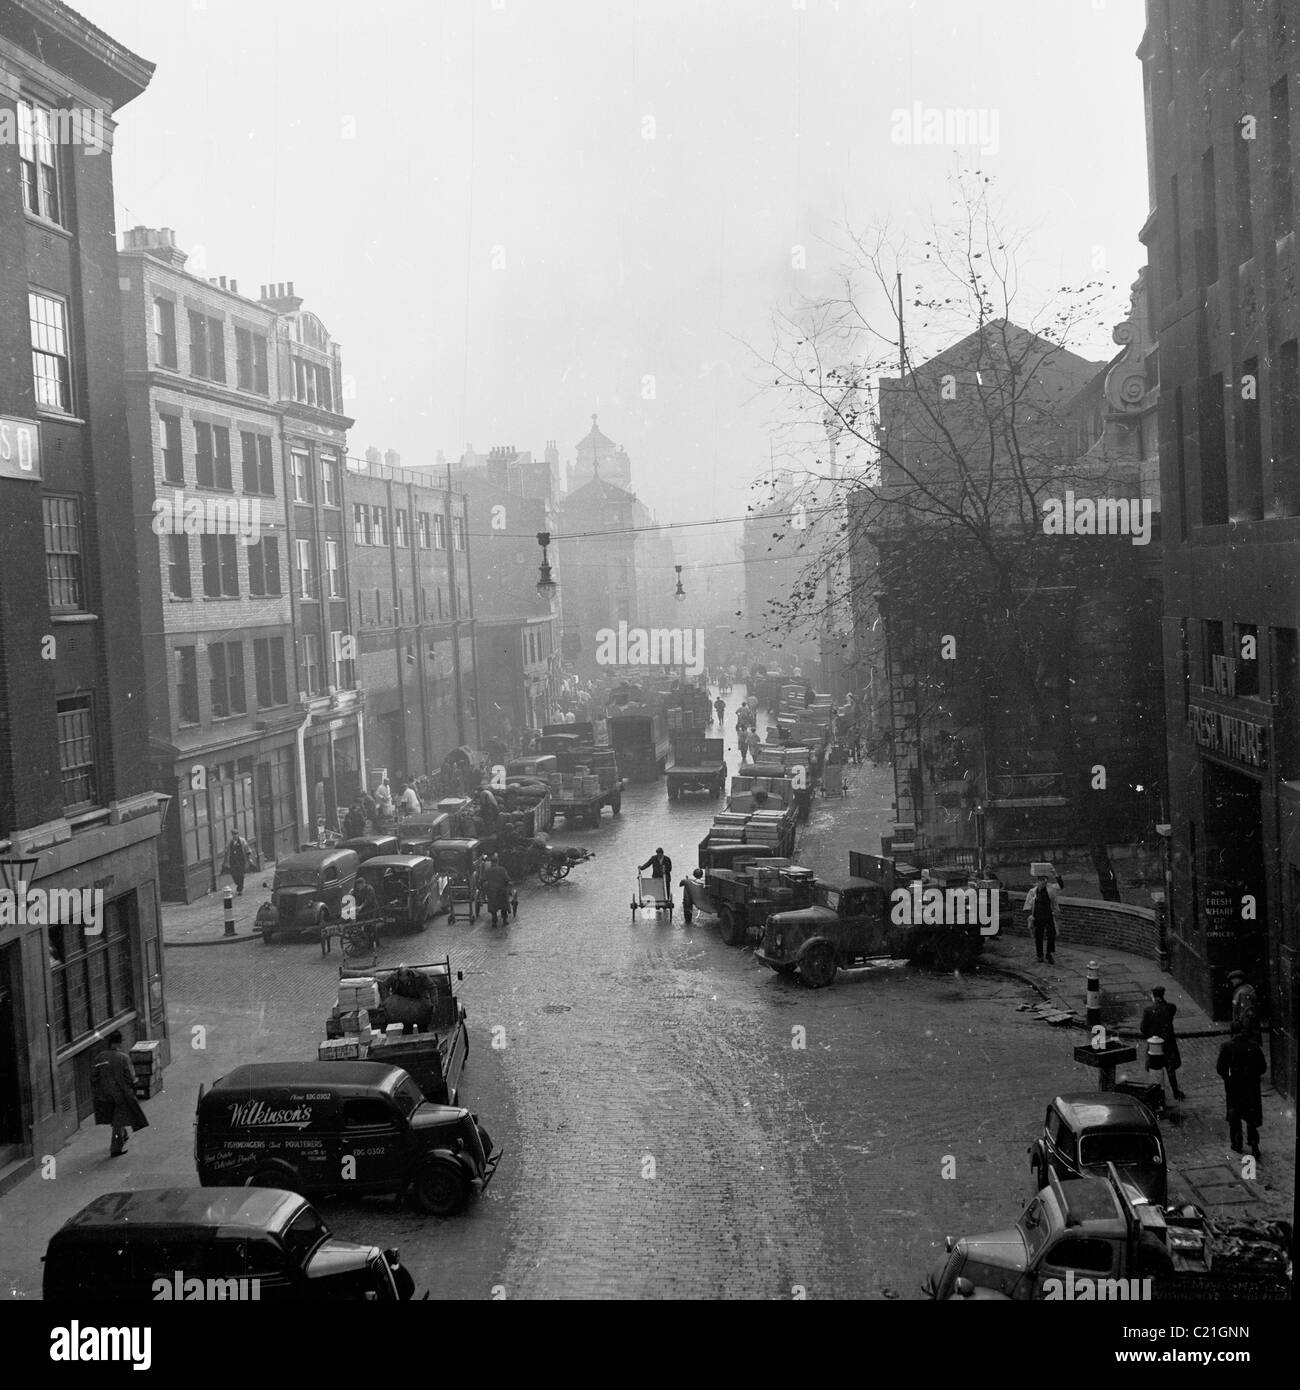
{"x":440,"y":1189}
{"x":730,"y":927}
{"x":551,"y":873}
{"x":817,"y":966}
{"x":356,"y":942}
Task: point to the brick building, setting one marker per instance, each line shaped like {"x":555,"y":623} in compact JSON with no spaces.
{"x":413,"y":616}
{"x":1222,"y":108}
{"x":237,"y":442}
{"x":76,"y":809}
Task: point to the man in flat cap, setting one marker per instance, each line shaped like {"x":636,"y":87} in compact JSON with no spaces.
{"x":1158,"y":1022}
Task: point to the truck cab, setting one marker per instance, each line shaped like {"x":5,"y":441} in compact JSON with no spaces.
{"x":845,"y":922}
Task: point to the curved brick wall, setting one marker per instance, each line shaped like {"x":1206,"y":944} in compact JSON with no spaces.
{"x":1092,"y":922}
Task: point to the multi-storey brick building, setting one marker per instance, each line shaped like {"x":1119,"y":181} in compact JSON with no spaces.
{"x":1222,"y":103}
{"x":412,"y":611}
{"x":237,"y":446}
{"x":76,"y":810}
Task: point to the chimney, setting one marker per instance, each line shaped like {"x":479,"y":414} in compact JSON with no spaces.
{"x":234,"y":287}
{"x":159,"y":242}
{"x":392,"y":458}
{"x":373,"y":455}
{"x":281,"y":298}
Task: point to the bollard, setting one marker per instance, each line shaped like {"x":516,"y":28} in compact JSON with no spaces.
{"x":229,"y":904}
{"x":1092,"y":998}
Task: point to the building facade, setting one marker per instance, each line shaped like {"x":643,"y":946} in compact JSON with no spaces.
{"x":412,"y":608}
{"x":1222,"y":105}
{"x":80,"y":941}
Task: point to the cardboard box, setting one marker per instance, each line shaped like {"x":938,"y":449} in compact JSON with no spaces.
{"x":355,"y":1021}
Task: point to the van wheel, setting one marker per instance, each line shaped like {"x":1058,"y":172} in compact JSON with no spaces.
{"x":440,"y":1189}
{"x":272,"y":1176}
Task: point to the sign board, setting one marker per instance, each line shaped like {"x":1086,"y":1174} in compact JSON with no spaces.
{"x":1243,"y":741}
{"x":1219,"y":903}
{"x":20,"y":449}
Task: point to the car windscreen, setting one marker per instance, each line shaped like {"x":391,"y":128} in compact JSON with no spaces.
{"x":296,"y":878}
{"x":1033,"y":1226}
{"x":1123,"y":1146}
{"x":304,"y":1233}
{"x":407,"y":1095}
{"x":829,"y":898}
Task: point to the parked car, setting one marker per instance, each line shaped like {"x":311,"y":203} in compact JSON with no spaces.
{"x":293,"y":1125}
{"x":406,"y":887}
{"x":191,"y":1243}
{"x":368,"y":846}
{"x":1086,"y":1130}
{"x":308,"y":892}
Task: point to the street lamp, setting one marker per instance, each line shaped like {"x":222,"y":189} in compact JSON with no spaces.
{"x":546,"y":586}
{"x":680,"y":593}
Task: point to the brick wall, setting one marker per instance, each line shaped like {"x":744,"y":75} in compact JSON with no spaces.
{"x":1092,"y":922}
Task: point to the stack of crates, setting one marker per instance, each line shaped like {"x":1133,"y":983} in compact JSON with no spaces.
{"x":146,"y":1059}
{"x":339,"y":1049}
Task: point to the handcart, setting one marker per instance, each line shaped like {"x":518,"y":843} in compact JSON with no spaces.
{"x":653,"y":895}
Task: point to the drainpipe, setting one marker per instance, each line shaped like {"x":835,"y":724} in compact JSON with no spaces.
{"x":304,"y":815}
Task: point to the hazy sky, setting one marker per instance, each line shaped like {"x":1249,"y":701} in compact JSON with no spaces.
{"x":465,"y":193}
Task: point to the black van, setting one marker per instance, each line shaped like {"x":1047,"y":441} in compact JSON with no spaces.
{"x":343,"y":1128}
{"x":308,"y":892}
{"x":190,"y":1244}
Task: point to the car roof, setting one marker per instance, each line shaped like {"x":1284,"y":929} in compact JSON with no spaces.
{"x":245,"y":1208}
{"x":396,"y":861}
{"x":455,"y":844}
{"x":280,"y":1076}
{"x":1085,"y":1110}
{"x":314,"y":858}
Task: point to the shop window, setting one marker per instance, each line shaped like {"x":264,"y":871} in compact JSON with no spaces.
{"x":1285,"y":661}
{"x":90,"y":975}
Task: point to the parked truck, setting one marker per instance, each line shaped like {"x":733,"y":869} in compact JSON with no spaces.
{"x":699,"y":765}
{"x":744,"y":897}
{"x":1095,"y":1239}
{"x":640,"y":739}
{"x":587,"y":779}
{"x":859,"y":918}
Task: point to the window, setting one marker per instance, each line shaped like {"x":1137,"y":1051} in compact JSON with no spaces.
{"x":422,"y":530}
{"x":221,"y":461}
{"x":340,"y":668}
{"x":62,"y":517}
{"x":1250,"y":462}
{"x":324,"y":391}
{"x":1211,"y":646}
{"x":178,"y":567}
{"x":37,"y":161}
{"x":400,"y":537}
{"x":439,"y":531}
{"x":1286,"y":430}
{"x":311,"y":663}
{"x":248,"y":461}
{"x":1241,"y":176}
{"x":299,"y":470}
{"x":379,"y":525}
{"x":269,"y":672}
{"x":312,"y":384}
{"x":198,"y":344}
{"x":264,"y":567}
{"x":1080,"y":1252}
{"x":216,"y":350}
{"x":1209,"y":229}
{"x":50,"y":370}
{"x":1280,"y":109}
{"x":203,"y":471}
{"x":91,"y":978}
{"x":329,"y":480}
{"x":332,"y":571}
{"x":1214,"y":462}
{"x":187,"y":685}
{"x":220,"y":566}
{"x":1246,"y":653}
{"x":226,"y":667}
{"x":458,"y":533}
{"x":306,"y":565}
{"x":360,"y":523}
{"x":77,"y":752}
{"x":164,"y":333}
{"x":250,"y":361}
{"x":173,"y":461}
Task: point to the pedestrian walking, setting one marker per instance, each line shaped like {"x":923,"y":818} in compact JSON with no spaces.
{"x":1040,"y":904}
{"x":239,"y":853}
{"x":1241,"y":1063}
{"x":720,"y":708}
{"x":496,"y":884}
{"x":660,"y":866}
{"x":1245,"y":1004}
{"x":1158,"y":1022}
{"x":112,"y":1089}
{"x":384,"y":802}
